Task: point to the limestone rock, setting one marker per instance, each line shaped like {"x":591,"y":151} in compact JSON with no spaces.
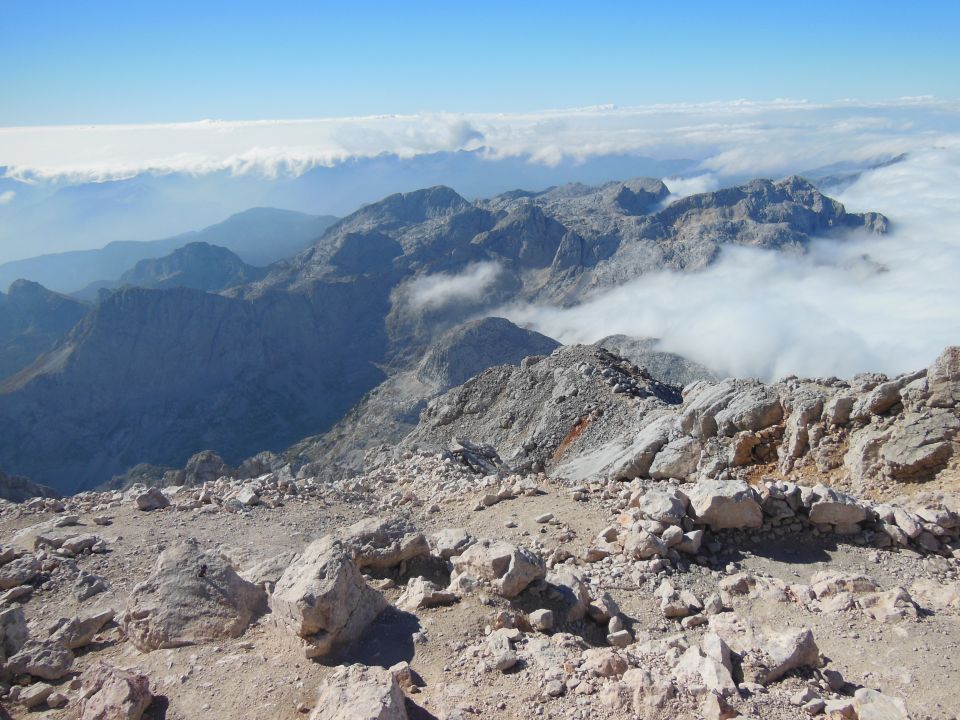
{"x":45,"y":659}
{"x":18,"y":572}
{"x":663,"y":505}
{"x":384,"y":543}
{"x":78,"y":631}
{"x":193,"y":595}
{"x":872,"y":705}
{"x":13,"y":632}
{"x":452,"y":541}
{"x":421,"y":593}
{"x":677,"y":459}
{"x":110,"y":693}
{"x":323,"y":598}
{"x":729,"y":504}
{"x":943,"y":379}
{"x":835,"y":508}
{"x":509,"y":568}
{"x":359,"y":692}
{"x":151,"y":499}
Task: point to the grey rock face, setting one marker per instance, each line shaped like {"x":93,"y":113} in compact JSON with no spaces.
{"x":199,"y":371}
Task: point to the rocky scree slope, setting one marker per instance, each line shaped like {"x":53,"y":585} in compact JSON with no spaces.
{"x":427,"y":588}
{"x":582,"y":412}
{"x":321,"y":330}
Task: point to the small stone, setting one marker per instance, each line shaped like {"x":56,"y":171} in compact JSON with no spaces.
{"x":542,"y":619}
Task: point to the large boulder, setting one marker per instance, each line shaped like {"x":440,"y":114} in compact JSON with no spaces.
{"x":509,"y":568}
{"x":323,"y":599}
{"x":151,"y":499}
{"x":724,"y":504}
{"x":833,"y":507}
{"x":729,"y":407}
{"x":384,"y":543}
{"x":359,"y":692}
{"x":193,"y":595}
{"x":920,"y":445}
{"x":110,"y":693}
{"x":873,"y":705}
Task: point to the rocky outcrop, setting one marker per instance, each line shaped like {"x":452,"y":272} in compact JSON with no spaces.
{"x":193,"y":595}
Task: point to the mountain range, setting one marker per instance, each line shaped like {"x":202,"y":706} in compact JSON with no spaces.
{"x":259,"y":236}
{"x":155,"y":375}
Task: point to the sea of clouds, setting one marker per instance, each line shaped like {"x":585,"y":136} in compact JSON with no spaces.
{"x":865,"y":303}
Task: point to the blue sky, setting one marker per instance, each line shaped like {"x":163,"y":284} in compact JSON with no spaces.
{"x":103,"y":61}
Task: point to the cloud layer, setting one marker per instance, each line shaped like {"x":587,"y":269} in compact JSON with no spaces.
{"x":729,"y":138}
{"x":867,"y":303}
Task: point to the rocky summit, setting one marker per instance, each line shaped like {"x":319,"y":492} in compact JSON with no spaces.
{"x":566,"y":536}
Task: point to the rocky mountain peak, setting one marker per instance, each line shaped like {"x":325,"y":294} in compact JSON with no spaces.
{"x":197,"y":265}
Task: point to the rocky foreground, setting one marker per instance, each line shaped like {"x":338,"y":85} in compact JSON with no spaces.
{"x":733,"y":557}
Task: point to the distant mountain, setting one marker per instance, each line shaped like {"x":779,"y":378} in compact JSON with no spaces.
{"x":259,"y":236}
{"x":61,"y":214}
{"x":32,"y":321}
{"x":153,"y":376}
{"x":197,"y":265}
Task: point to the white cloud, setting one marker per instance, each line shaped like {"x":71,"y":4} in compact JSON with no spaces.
{"x":432,"y":291}
{"x":7,"y":197}
{"x":682,"y":187}
{"x":886,"y":303}
{"x":730,"y":138}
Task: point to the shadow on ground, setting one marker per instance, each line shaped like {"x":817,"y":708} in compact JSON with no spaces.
{"x":388,"y":641}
